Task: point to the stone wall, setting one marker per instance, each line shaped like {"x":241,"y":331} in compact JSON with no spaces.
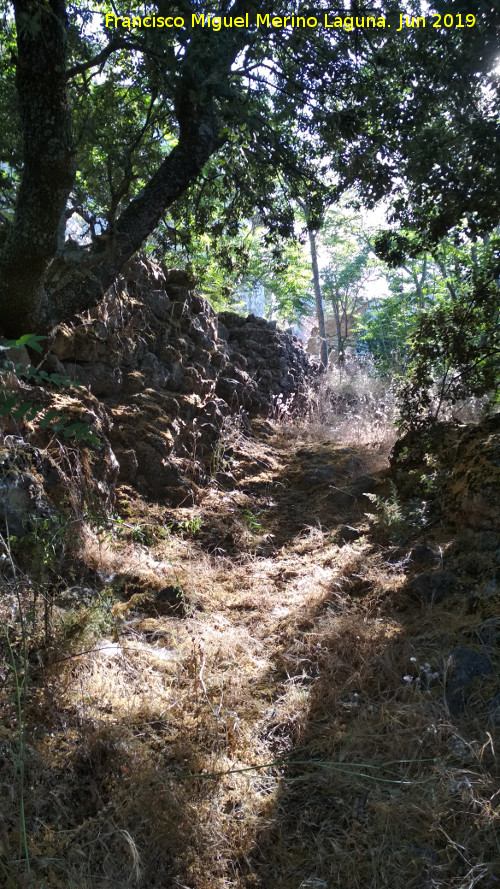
{"x":169,"y":372}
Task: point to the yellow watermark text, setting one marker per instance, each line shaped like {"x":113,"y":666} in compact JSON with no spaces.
{"x":276,"y":22}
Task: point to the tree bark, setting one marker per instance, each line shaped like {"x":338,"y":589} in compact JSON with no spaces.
{"x":77,"y":285}
{"x":48,"y":159}
{"x":320,"y":315}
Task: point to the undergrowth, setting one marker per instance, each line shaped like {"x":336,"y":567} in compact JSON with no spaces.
{"x":351,"y":403}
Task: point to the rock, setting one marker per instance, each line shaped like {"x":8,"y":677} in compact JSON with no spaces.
{"x":154,"y":372}
{"x":349,"y":534}
{"x":22,"y":501}
{"x":472,"y":494}
{"x":152,"y":335}
{"x":231,"y":391}
{"x":432,"y":587}
{"x":98,"y":377}
{"x":464,"y":666}
{"x":159,"y":303}
{"x":362,"y":485}
{"x":16,"y":355}
{"x":128,"y":466}
{"x":181,"y":278}
{"x":421,"y":554}
{"x":157,"y":471}
{"x":52,"y":365}
{"x":231,"y":320}
{"x":339,"y":499}
{"x":28,"y":477}
{"x":171,"y":598}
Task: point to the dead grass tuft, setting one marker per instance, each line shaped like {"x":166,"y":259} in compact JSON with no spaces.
{"x":353,"y":404}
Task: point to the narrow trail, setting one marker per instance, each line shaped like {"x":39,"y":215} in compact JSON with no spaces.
{"x":263,"y":734}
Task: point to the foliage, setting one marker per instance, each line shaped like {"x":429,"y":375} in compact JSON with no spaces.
{"x":251,"y":520}
{"x":388,"y":324}
{"x":351,"y":265}
{"x":455,"y":351}
{"x":429,"y":135}
{"x":438,"y":329}
{"x":121,"y":128}
{"x":42,"y":544}
{"x":231,"y":265}
{"x":396,"y":519}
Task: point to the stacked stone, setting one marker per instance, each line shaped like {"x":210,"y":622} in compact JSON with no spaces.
{"x":169,"y":370}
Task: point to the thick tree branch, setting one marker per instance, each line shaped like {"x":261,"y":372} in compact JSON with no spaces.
{"x":75,"y":287}
{"x":100,"y":58}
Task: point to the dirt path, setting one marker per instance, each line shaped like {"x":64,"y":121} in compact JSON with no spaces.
{"x":262,"y":734}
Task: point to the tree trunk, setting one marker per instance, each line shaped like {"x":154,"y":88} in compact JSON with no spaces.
{"x":38,"y":286}
{"x":338,"y":322}
{"x":48,"y":159}
{"x":76,"y":286}
{"x":320,"y":315}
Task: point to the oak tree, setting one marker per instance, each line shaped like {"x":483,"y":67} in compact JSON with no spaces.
{"x":115,"y":125}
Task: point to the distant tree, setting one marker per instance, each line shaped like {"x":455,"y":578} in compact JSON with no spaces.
{"x":439,"y":330}
{"x":351,"y":263}
{"x":455,"y":349}
{"x":318,"y":296}
{"x":389,"y":323}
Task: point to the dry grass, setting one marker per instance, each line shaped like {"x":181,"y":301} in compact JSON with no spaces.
{"x":353,"y":405}
{"x":278,"y":734}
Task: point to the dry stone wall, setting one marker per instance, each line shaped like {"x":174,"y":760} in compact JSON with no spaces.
{"x":170,"y":371}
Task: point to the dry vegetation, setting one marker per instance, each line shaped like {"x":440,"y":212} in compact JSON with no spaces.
{"x":282,"y":725}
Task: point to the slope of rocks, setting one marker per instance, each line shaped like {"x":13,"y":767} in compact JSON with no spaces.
{"x":170,"y":372}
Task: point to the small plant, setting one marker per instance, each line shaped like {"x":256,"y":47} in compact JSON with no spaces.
{"x":189,"y":527}
{"x":222,"y":454}
{"x":389,"y":511}
{"x":86,"y":624}
{"x":18,"y":663}
{"x":19,"y":673}
{"x":251,"y":520}
{"x":40,"y":552}
{"x":396,"y":521}
{"x":421,"y":676}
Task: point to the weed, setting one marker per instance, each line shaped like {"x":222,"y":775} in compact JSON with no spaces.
{"x":220,"y":458}
{"x":252,"y":521}
{"x":85,"y":625}
{"x":44,"y":542}
{"x":11,"y":403}
{"x":40,"y":552}
{"x":145,"y":533}
{"x":187,"y":528}
{"x":353,"y":403}
{"x":19,"y":673}
{"x":19,"y":668}
{"x":395,"y":519}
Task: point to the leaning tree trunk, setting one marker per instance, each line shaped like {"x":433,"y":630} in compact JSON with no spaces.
{"x":78,"y":286}
{"x":320,"y":315}
{"x":38,"y":287}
